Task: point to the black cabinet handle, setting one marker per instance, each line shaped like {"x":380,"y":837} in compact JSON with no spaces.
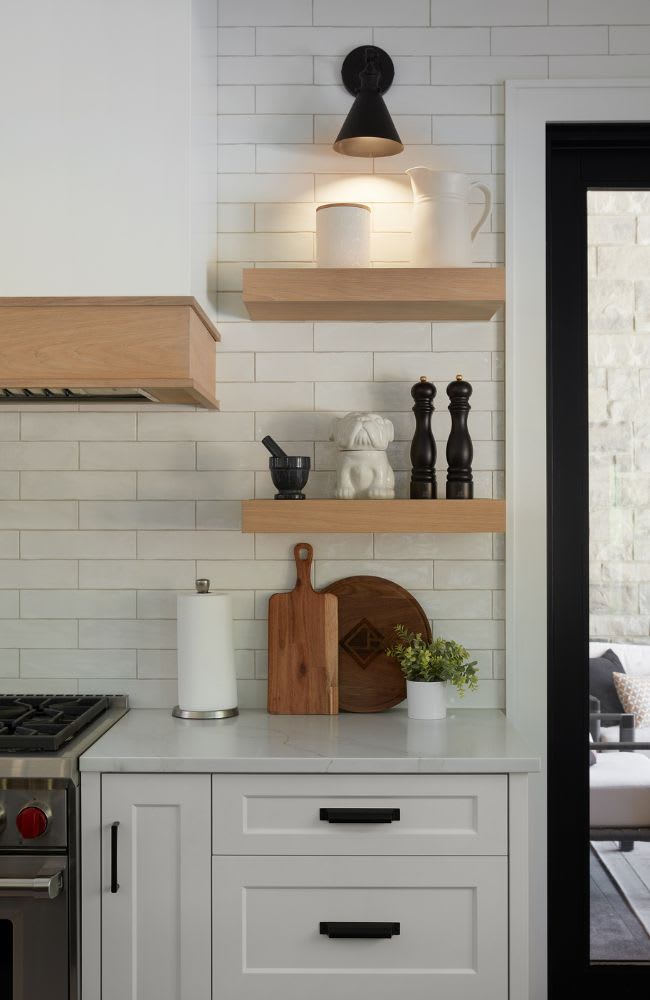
{"x":114,"y":883}
{"x":359,"y":929}
{"x":360,"y":815}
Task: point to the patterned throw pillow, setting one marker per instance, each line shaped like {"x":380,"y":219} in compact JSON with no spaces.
{"x":634,"y":693}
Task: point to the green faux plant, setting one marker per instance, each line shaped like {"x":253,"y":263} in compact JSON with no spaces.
{"x":439,"y":660}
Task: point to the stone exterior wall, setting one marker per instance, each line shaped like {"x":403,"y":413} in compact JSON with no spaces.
{"x":619,"y":414}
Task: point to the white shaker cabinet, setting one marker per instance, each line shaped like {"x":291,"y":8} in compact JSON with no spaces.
{"x":306,"y":858}
{"x":155,"y":928}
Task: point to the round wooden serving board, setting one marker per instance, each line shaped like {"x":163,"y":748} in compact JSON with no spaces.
{"x":369,"y":608}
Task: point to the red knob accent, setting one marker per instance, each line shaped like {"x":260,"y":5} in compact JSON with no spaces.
{"x":31,"y":822}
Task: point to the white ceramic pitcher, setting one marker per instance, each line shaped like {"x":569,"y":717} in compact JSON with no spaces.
{"x":442,"y":235}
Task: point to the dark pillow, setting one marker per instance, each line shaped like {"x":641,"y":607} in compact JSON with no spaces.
{"x":601,"y":683}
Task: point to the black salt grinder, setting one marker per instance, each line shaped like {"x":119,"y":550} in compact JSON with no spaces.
{"x":423,"y":446}
{"x":460,"y":451}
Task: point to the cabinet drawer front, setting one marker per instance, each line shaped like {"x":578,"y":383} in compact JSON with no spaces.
{"x":447,"y":918}
{"x":353,"y":814}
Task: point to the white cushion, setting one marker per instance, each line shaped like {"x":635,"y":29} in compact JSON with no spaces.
{"x":619,"y":790}
{"x":612,"y":734}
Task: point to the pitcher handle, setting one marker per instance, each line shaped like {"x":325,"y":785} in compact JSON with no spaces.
{"x":488,"y":206}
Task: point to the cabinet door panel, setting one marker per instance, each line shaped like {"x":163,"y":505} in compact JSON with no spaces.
{"x":156,"y":927}
{"x":269,"y":945}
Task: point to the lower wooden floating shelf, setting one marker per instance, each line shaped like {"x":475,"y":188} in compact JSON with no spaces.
{"x":381,"y":516}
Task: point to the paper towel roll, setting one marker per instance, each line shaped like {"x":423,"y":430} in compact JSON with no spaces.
{"x":206,"y":658}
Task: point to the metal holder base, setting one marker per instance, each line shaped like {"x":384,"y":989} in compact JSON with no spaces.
{"x":355,"y":61}
{"x":222,"y":713}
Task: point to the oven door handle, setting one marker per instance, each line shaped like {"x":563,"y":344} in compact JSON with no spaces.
{"x":48,"y":885}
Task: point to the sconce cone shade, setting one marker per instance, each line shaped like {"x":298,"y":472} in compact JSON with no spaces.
{"x":368,"y":129}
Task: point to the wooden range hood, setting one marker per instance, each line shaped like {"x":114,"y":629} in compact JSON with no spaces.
{"x":156,"y":348}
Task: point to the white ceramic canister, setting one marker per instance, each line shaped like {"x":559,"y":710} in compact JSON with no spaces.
{"x":426,"y":699}
{"x":343,"y":235}
{"x":442,"y":232}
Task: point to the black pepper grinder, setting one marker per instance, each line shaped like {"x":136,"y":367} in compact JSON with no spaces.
{"x":423,"y":446}
{"x":460,"y":451}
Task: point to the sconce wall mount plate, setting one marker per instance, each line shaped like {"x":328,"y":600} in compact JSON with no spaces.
{"x":355,"y":62}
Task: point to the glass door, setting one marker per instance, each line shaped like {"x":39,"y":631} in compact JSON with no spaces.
{"x":618,"y":261}
{"x":598,"y":469}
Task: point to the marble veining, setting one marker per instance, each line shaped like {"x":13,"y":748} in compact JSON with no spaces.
{"x":470,"y":741}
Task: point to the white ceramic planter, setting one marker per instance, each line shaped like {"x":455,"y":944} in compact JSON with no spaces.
{"x":426,"y":699}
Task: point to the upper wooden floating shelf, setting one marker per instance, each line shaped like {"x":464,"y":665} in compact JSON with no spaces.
{"x":379,"y":293}
{"x":382,"y":516}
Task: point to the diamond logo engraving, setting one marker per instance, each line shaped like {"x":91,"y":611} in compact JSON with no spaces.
{"x":363,"y":643}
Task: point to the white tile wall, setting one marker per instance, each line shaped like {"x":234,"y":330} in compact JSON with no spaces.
{"x":105,"y":514}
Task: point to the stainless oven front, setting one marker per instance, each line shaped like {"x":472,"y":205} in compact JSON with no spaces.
{"x":34,"y":927}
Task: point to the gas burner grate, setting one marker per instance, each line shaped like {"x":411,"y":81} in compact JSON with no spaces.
{"x":45,"y":722}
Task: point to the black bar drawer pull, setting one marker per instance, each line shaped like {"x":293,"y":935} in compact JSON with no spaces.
{"x":359,"y":929}
{"x":114,"y":883}
{"x":388,"y":815}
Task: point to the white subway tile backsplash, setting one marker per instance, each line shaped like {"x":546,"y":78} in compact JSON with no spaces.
{"x":570,"y":67}
{"x":323,"y":366}
{"x":10,"y":604}
{"x":267,"y":396}
{"x":461,"y":574}
{"x":45,"y":573}
{"x":137,"y":455}
{"x":116,"y":574}
{"x":77,"y":486}
{"x":455,"y":604}
{"x":433,"y":546}
{"x":265,"y":128}
{"x":218,"y":515}
{"x":291,"y":158}
{"x":154,"y":664}
{"x":490,"y":12}
{"x":371,"y":12}
{"x":260,"y":12}
{"x":434,"y":41}
{"x":266,"y":246}
{"x":37,"y":633}
{"x":301,"y":99}
{"x":77,"y":604}
{"x":128,"y":634}
{"x":77,"y":426}
{"x":235,"y":100}
{"x":144,"y":513}
{"x":194,"y":545}
{"x":77,"y":545}
{"x":598,"y":12}
{"x":311,"y":41}
{"x":9,"y":485}
{"x":456,"y":129}
{"x":9,"y":665}
{"x":486,"y":69}
{"x":199,"y":426}
{"x":193,"y":486}
{"x":264,"y":69}
{"x":391,"y":367}
{"x":65,"y":664}
{"x":265,"y":337}
{"x":449,"y":97}
{"x":33,"y":455}
{"x":550,"y":41}
{"x":38,"y":514}
{"x":9,"y":545}
{"x":346,"y":337}
{"x":629,"y":40}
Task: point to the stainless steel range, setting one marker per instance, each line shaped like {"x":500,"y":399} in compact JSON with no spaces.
{"x":41,"y":740}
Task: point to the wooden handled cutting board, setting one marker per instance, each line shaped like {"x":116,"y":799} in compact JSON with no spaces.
{"x":303,"y":646}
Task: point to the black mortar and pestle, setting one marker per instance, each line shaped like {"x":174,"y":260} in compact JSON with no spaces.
{"x":288,"y":472}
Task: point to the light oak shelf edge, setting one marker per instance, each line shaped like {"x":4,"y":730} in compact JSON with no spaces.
{"x":380,"y":293}
{"x":380,"y":516}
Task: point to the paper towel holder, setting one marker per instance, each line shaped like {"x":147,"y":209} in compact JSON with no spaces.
{"x":203,"y":587}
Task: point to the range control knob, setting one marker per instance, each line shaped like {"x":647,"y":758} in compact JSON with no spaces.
{"x":31,"y":822}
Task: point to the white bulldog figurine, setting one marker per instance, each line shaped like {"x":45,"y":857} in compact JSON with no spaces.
{"x":362,"y":469}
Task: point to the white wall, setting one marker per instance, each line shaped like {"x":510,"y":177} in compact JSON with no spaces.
{"x":94,"y":165}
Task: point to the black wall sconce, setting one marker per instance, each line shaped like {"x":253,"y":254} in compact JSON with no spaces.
{"x":368,"y":129}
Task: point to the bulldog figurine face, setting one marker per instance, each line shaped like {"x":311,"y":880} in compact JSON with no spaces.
{"x":363,"y":470}
{"x":363,"y":432}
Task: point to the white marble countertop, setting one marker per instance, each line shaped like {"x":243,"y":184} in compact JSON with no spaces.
{"x":470,"y":740}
